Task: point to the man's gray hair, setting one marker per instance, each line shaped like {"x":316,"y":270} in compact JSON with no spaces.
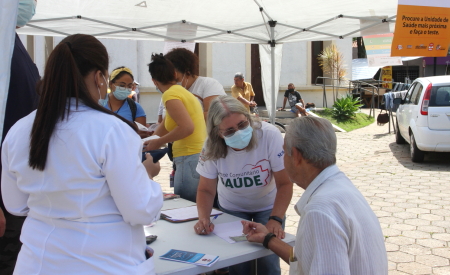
{"x":220,"y":108}
{"x":239,"y":75}
{"x":314,"y":138}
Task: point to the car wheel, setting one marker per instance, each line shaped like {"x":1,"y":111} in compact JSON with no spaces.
{"x":398,"y":137}
{"x":417,"y":155}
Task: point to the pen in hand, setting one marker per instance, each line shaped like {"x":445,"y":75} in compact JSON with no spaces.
{"x":210,"y":222}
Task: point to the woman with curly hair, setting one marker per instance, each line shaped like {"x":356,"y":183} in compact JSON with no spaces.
{"x":186,"y":68}
{"x":184,"y":125}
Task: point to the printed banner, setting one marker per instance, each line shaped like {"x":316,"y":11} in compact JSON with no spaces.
{"x":378,"y":50}
{"x":386,"y":75}
{"x":422,"y":28}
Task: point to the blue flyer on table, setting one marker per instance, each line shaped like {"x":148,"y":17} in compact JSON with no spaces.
{"x":190,"y":257}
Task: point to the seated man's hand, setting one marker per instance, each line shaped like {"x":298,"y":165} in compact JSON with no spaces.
{"x":255,"y":232}
{"x":152,"y":168}
{"x":252,"y":104}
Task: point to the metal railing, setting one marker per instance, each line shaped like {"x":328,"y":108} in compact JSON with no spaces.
{"x":332,"y":80}
{"x":361,"y":87}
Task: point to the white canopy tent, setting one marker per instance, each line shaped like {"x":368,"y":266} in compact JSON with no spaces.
{"x":266,"y":22}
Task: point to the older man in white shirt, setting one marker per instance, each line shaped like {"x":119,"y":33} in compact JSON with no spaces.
{"x":338,"y":232}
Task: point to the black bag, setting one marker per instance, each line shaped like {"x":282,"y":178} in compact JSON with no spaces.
{"x":382,"y":118}
{"x":133,"y":108}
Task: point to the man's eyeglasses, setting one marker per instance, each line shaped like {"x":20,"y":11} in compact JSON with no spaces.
{"x":231,"y":131}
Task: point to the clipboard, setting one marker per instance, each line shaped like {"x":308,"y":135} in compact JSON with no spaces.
{"x":168,"y":218}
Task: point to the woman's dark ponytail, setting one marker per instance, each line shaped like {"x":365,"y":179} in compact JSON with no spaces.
{"x":161,"y":69}
{"x":74,"y":58}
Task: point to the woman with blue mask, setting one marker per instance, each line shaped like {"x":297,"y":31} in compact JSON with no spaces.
{"x":121,"y":83}
{"x":242,"y":160}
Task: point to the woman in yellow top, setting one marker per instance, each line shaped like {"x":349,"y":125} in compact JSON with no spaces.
{"x":184,"y":125}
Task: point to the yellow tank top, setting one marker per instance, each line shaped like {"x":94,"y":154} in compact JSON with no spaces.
{"x":193,"y":143}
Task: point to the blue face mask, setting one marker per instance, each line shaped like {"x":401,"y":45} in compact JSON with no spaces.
{"x":27,"y":9}
{"x":121,"y":93}
{"x":240,"y":139}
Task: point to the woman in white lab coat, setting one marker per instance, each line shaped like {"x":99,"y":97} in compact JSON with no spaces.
{"x":74,"y":169}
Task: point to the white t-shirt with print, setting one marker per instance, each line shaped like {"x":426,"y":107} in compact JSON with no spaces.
{"x":205,"y":87}
{"x":245,"y":179}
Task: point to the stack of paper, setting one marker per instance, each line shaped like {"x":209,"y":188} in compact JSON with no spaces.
{"x":229,"y":229}
{"x":141,"y":127}
{"x":190,"y":257}
{"x":185,"y":213}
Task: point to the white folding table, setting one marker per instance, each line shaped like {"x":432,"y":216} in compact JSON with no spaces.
{"x":181,"y":236}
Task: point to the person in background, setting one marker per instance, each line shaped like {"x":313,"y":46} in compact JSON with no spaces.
{"x":243,"y":91}
{"x":338,"y":232}
{"x":186,"y":67}
{"x":22,"y":99}
{"x":121,"y":82}
{"x":184,"y":125}
{"x":86,"y":198}
{"x":295,"y":101}
{"x":135,"y":95}
{"x":242,"y":161}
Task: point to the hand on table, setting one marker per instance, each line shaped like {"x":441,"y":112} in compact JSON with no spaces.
{"x":255,"y":232}
{"x":275,"y":227}
{"x":281,"y":109}
{"x":204,"y":227}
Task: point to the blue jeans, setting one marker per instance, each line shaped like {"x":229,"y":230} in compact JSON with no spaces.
{"x":269,"y":265}
{"x":186,"y":177}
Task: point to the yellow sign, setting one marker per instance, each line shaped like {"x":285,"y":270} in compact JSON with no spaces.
{"x":422,"y":30}
{"x":386,"y":75}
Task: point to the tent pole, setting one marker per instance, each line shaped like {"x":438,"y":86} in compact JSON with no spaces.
{"x":272,"y":70}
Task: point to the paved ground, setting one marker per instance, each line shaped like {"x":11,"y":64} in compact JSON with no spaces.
{"x":412,"y":201}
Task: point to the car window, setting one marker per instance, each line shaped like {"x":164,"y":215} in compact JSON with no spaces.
{"x":440,"y":96}
{"x":416,"y":93}
{"x":408,"y":94}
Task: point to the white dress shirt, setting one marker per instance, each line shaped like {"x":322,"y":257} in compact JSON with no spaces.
{"x":338,"y":232}
{"x":87,"y":209}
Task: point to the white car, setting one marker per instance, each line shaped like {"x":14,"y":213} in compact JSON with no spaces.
{"x":423,"y":117}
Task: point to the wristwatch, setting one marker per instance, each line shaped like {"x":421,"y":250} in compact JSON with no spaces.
{"x":267,"y":239}
{"x":278,"y":219}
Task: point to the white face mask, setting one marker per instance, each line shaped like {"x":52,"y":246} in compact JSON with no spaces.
{"x":181,"y":82}
{"x":102,"y":102}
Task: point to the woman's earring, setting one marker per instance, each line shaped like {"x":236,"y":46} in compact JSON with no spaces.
{"x":101,"y":84}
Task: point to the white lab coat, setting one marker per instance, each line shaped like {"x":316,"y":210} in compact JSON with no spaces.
{"x":86,"y":210}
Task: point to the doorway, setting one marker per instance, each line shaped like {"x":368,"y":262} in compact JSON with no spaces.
{"x":256,"y":75}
